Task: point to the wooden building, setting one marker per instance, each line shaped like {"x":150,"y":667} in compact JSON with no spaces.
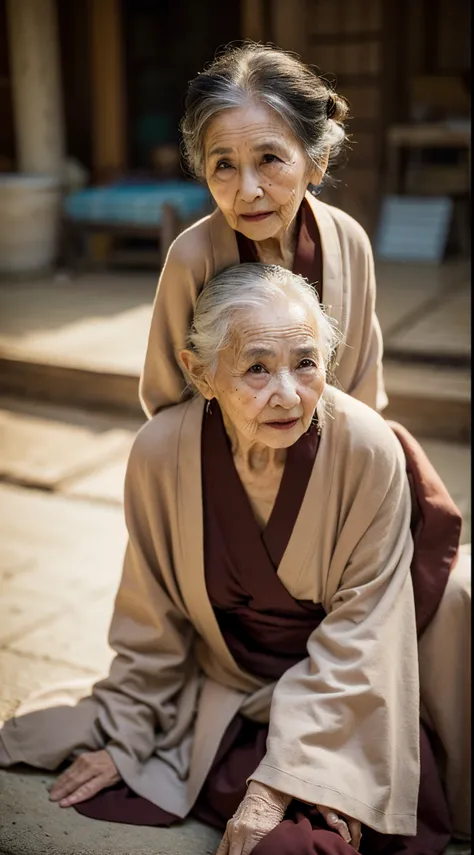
{"x":124,"y":65}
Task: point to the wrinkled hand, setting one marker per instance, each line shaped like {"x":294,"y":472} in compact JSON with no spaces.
{"x":349,"y":829}
{"x":259,"y":812}
{"x":90,"y":773}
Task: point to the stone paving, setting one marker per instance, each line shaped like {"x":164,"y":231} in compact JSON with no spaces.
{"x":425,"y":309}
{"x":94,"y":321}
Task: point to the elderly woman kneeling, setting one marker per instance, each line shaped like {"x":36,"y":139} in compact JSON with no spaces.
{"x":266,"y":671}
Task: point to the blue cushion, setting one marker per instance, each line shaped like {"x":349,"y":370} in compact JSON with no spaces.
{"x":136,"y":203}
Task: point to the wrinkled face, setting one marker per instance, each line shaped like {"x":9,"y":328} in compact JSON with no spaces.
{"x":270,"y":379}
{"x":256,"y":170}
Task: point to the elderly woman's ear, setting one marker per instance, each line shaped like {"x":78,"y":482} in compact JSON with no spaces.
{"x":318,"y":172}
{"x":196,"y":373}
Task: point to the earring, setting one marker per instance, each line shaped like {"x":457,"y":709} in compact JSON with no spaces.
{"x":209,"y":407}
{"x":316,"y":189}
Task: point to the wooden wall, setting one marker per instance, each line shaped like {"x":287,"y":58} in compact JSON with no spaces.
{"x":438,"y":36}
{"x":345,"y":40}
{"x":74,"y":37}
{"x":371,"y":50}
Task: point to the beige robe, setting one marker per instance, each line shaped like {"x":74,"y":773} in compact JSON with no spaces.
{"x":344,"y":722}
{"x":348,"y":295}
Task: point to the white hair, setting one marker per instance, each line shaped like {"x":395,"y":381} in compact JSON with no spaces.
{"x":240,"y":289}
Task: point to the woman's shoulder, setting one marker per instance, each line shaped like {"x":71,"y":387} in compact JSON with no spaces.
{"x":192,"y":243}
{"x":347,"y":227}
{"x":360,"y":429}
{"x":197,"y":241}
{"x":157,"y":440}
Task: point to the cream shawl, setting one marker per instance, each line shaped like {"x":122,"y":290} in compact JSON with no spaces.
{"x":348,"y":294}
{"x":344,"y":721}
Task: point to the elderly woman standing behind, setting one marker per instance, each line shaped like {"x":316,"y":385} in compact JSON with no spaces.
{"x":266,"y":625}
{"x":259,"y":128}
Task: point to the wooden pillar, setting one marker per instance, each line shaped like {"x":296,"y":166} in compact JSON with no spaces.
{"x":36,"y":85}
{"x":109,"y":148}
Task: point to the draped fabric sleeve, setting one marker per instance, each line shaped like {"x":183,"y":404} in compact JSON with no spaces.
{"x":150,"y":632}
{"x":162,"y":382}
{"x":344,"y":722}
{"x":360,"y":368}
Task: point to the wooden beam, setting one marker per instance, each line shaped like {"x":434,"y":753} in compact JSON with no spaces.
{"x":109,"y":148}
